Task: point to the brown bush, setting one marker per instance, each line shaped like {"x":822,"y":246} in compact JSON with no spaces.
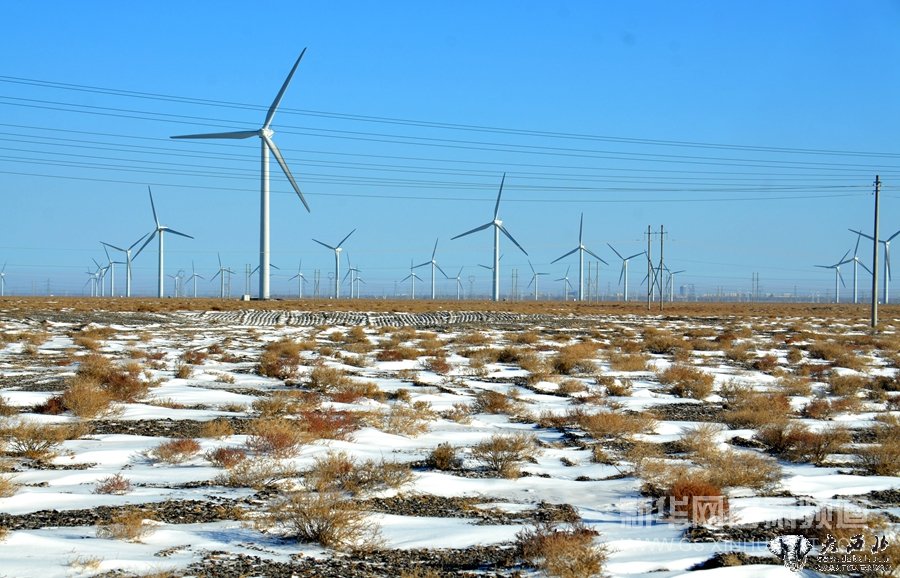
{"x":765,"y":363}
{"x":8,"y":488}
{"x":122,"y":383}
{"x":86,"y":398}
{"x":216,"y":428}
{"x":280,"y":359}
{"x":352,"y":391}
{"x":746,"y":407}
{"x":397,"y":353}
{"x":324,"y":378}
{"x":798,"y":443}
{"x":794,"y":386}
{"x":844,"y":385}
{"x":443,"y":457}
{"x":700,"y":439}
{"x":128,"y":525}
{"x":575,"y":358}
{"x":327,"y":424}
{"x":661,"y":342}
{"x":338,"y":472}
{"x":324,"y":518}
{"x":256,"y":473}
{"x":687,"y":381}
{"x":35,"y":440}
{"x":697,"y":500}
{"x":618,"y":387}
{"x":184,"y":370}
{"x":278,"y":437}
{"x":488,"y":401}
{"x":53,"y":405}
{"x":628,"y":361}
{"x":194,"y":356}
{"x":175,"y":451}
{"x":794,"y":355}
{"x":283,"y":403}
{"x":437,"y":364}
{"x":883,"y":458}
{"x":740,"y":469}
{"x":524,"y":337}
{"x":502,"y":454}
{"x":225,"y":457}
{"x":117,"y":484}
{"x":566,"y":553}
{"x":608,"y":424}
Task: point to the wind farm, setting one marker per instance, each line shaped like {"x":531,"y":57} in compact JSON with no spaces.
{"x":703,"y":379}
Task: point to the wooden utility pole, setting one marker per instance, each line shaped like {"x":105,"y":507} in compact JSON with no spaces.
{"x":875,"y":257}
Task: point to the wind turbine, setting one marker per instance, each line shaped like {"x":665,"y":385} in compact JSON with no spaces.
{"x":498,"y":228}
{"x":352,"y":273}
{"x":567,"y":284}
{"x":101,"y":277}
{"x":111,"y":266}
{"x":671,"y":281}
{"x":267,"y":144}
{"x":221,"y":274}
{"x":337,"y":262}
{"x":581,"y":249}
{"x":3,"y":281}
{"x":887,"y":259}
{"x":623,"y":274}
{"x":128,"y":259}
{"x":534,"y":279}
{"x":434,"y":265}
{"x":300,"y":280}
{"x":458,"y":283}
{"x":856,"y":264}
{"x":194,"y":278}
{"x":161,"y":231}
{"x":837,"y":275}
{"x":412,"y":276}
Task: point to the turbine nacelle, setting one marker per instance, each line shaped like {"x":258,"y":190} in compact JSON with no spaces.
{"x":266,"y":132}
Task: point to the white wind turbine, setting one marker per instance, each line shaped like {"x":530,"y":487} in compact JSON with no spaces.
{"x":412,"y":277}
{"x":497,"y":224}
{"x":337,"y":262}
{"x":837,"y":275}
{"x":101,"y":277}
{"x":857,"y":263}
{"x":221,"y":274}
{"x":534,"y":279}
{"x":128,"y":259}
{"x":458,"y":280}
{"x":353,"y":274}
{"x":887,"y":259}
{"x":581,"y":249}
{"x":267,"y":145}
{"x":3,"y":281}
{"x":671,"y":281}
{"x":623,"y":274}
{"x":111,"y":266}
{"x":160,"y":230}
{"x":567,"y":284}
{"x":434,"y":265}
{"x":194,"y":278}
{"x":301,"y":279}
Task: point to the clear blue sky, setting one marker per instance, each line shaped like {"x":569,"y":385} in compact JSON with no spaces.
{"x":619,"y":83}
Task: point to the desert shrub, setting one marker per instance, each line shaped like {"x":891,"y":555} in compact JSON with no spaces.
{"x":502,"y":454}
{"x":353,"y":390}
{"x":437,"y":364}
{"x":86,"y":398}
{"x":128,"y":525}
{"x":765,"y":363}
{"x":397,"y":353}
{"x":883,"y":458}
{"x":618,"y":387}
{"x":35,"y":440}
{"x":661,"y":342}
{"x":225,"y":457}
{"x":746,"y":407}
{"x":794,"y":386}
{"x":700,"y":439}
{"x":524,"y":337}
{"x":836,"y":353}
{"x":122,"y":383}
{"x":327,"y":424}
{"x":8,"y":488}
{"x":338,"y":472}
{"x":628,"y":361}
{"x":184,"y":370}
{"x":283,"y":403}
{"x":794,"y":355}
{"x":641,"y":453}
{"x":278,"y":437}
{"x":608,"y":424}
{"x":473,"y":338}
{"x":740,"y":469}
{"x":687,"y":381}
{"x":459,"y":412}
{"x":256,"y":473}
{"x":570,"y":386}
{"x":697,"y":500}
{"x":53,"y":405}
{"x":175,"y":451}
{"x":324,"y":518}
{"x":443,"y":457}
{"x":324,"y":378}
{"x":280,"y":359}
{"x":194,"y":356}
{"x":6,"y":410}
{"x":216,"y":428}
{"x":844,"y":385}
{"x":565,"y":553}
{"x":117,"y":484}
{"x":409,"y":419}
{"x":575,"y":358}
{"x":488,"y":401}
{"x":797,"y":443}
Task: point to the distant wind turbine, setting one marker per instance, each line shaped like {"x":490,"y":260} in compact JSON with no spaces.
{"x":160,"y":230}
{"x":581,"y":249}
{"x":337,"y":262}
{"x":267,"y":144}
{"x":300,"y":280}
{"x":887,"y":259}
{"x":458,"y":283}
{"x":221,"y":275}
{"x":534,"y":279}
{"x":623,"y":274}
{"x":567,"y":284}
{"x":194,"y":278}
{"x":412,"y":277}
{"x":3,"y":281}
{"x":837,"y":275}
{"x":497,"y":224}
{"x":434,"y":265}
{"x":856,"y":264}
{"x":128,"y":259}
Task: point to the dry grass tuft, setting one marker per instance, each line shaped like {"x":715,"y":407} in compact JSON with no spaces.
{"x":408,"y":419}
{"x":628,"y":361}
{"x":35,"y":440}
{"x":324,"y":518}
{"x":576,"y":358}
{"x":746,"y":407}
{"x":687,"y":381}
{"x":338,"y":472}
{"x":216,"y":429}
{"x":697,"y":500}
{"x":608,"y":424}
{"x":566,"y":553}
{"x":128,"y":525}
{"x":502,"y":454}
{"x":8,"y":488}
{"x":86,"y":398}
{"x":175,"y":451}
{"x":256,"y":473}
{"x":443,"y":457}
{"x":225,"y":457}
{"x":797,"y":443}
{"x":280,"y":359}
{"x":117,"y":485}
{"x":277,"y":437}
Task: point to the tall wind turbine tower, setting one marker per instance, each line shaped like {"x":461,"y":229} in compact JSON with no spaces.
{"x":266,"y":145}
{"x":160,"y":230}
{"x":128,"y":259}
{"x":434,"y":265}
{"x":887,"y":260}
{"x":497,"y":224}
{"x":581,"y":249}
{"x":623,"y":274}
{"x":337,"y":262}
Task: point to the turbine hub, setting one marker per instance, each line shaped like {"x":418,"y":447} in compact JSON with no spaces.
{"x":498,"y":222}
{"x":267,"y":132}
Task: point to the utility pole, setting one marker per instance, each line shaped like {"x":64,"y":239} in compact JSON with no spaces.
{"x":875,"y":257}
{"x":662,"y":293}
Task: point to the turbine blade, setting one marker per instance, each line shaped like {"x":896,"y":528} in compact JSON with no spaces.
{"x":564,"y":256}
{"x":271,"y":114}
{"x":116,"y":248}
{"x":856,"y":248}
{"x":505,"y":232}
{"x":434,"y":251}
{"x":595,"y":256}
{"x":422,"y":265}
{"x":284,"y":168}
{"x":147,"y":242}
{"x":863,"y":265}
{"x":486,"y":267}
{"x":869,"y":237}
{"x":475,"y":230}
{"x":891,"y":238}
{"x":241,"y":134}
{"x":173,"y":231}
{"x":635,"y":255}
{"x":294,"y":277}
{"x":325,"y":245}
{"x":580,"y":228}
{"x":439,"y":269}
{"x":619,"y":255}
{"x":500,"y":192}
{"x":219,"y":255}
{"x":347,"y":237}
{"x":533,"y":277}
{"x":621,"y":274}
{"x":532,"y":267}
{"x":153,"y":207}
